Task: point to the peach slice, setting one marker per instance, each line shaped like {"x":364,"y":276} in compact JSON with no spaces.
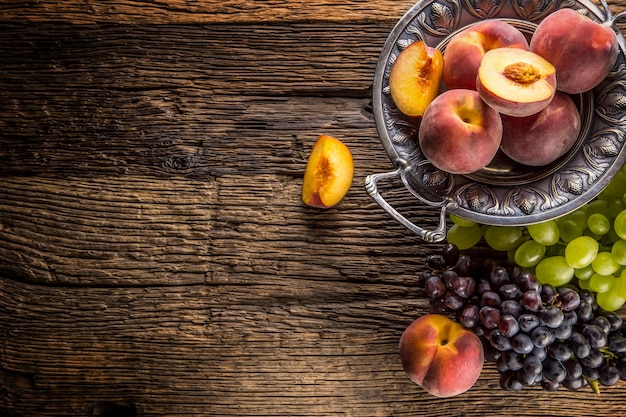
{"x":583,"y":51}
{"x":542,"y":138}
{"x":516,"y":82}
{"x":415,"y":77}
{"x":465,"y":50}
{"x":441,"y":355}
{"x":328,"y":174}
{"x":459,"y":133}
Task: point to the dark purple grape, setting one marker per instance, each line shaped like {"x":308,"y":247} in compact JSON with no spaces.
{"x":462,"y":266}
{"x":609,"y":375}
{"x":541,"y":336}
{"x":617,"y":343}
{"x":563,"y":332}
{"x":499,"y":276}
{"x":489,"y":317}
{"x":510,"y":292}
{"x":483,"y":286}
{"x":594,"y":360}
{"x":491,"y":299}
{"x":586,"y":296}
{"x":464,"y":286}
{"x":584,"y":312}
{"x":450,"y":254}
{"x":560,"y":351}
{"x":553,"y":370}
{"x":448,"y":277}
{"x":579,"y":345}
{"x":568,"y":299}
{"x":591,"y":373}
{"x":540,"y":352}
{"x":527,"y":379}
{"x":468,"y":316}
{"x":550,"y":385}
{"x":548,"y":293}
{"x":522,"y":343}
{"x":574,"y":384}
{"x":531,"y":301}
{"x":511,"y":307}
{"x":421,"y":280}
{"x":620,"y":364}
{"x":499,"y":340}
{"x":508,"y":325}
{"x":596,"y":337}
{"x":573,"y":368}
{"x":513,"y":360}
{"x":509,"y":381}
{"x":435,"y":262}
{"x":552,"y":316}
{"x":527,"y":281}
{"x":435,"y":287}
{"x":603,"y":323}
{"x":527,"y":322}
{"x":615,"y":320}
{"x":501,"y":366}
{"x":453,"y":301}
{"x":532,"y":365}
{"x":570,"y":318}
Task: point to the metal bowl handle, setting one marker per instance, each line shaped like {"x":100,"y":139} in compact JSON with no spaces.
{"x":431,"y":236}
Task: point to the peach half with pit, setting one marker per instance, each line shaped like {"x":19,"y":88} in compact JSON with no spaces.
{"x":459,"y":133}
{"x":582,"y":50}
{"x":328,"y":174}
{"x":542,"y":138}
{"x":466,"y":48}
{"x":441,"y":355}
{"x":516,"y":82}
{"x":415,"y":77}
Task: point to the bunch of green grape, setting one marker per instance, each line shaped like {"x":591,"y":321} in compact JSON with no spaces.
{"x":587,"y":245}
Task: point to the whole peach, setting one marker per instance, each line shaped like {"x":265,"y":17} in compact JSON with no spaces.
{"x":543,"y":137}
{"x":465,"y":50}
{"x":441,"y":355}
{"x":459,"y":133}
{"x":582,"y":50}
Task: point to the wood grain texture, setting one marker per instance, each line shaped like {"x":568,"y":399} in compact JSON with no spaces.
{"x":155,"y":257}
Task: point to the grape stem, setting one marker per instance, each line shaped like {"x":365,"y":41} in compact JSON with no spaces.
{"x":595,"y":386}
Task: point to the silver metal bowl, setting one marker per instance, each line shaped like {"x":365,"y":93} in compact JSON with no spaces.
{"x":505,"y":192}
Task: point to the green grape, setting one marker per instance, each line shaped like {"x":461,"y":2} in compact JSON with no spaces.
{"x":545,"y":233}
{"x":596,"y":206}
{"x":619,"y":225}
{"x":461,"y":221}
{"x":614,"y":206}
{"x":601,"y":283}
{"x":619,"y":284}
{"x":581,"y":251}
{"x":583,"y":274}
{"x":570,"y":229}
{"x":615,"y":188}
{"x":604,"y":264}
{"x":529,"y":254}
{"x":619,"y":251}
{"x":598,"y":224}
{"x":584,"y":285}
{"x":610,"y":300}
{"x":503,"y":238}
{"x":554,"y":271}
{"x":464,"y":237}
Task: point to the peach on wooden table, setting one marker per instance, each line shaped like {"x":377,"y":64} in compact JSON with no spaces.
{"x":415,"y":77}
{"x":328,"y":174}
{"x":516,"y":82}
{"x":465,"y":50}
{"x":459,"y":133}
{"x":582,"y":50}
{"x":441,"y":355}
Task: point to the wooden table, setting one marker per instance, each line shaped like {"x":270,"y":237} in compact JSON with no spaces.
{"x":155,"y":256}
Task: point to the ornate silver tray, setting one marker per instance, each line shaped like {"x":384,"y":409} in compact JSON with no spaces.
{"x":504,"y":193}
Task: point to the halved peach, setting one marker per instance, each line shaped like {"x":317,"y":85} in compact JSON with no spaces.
{"x":415,"y":77}
{"x":328,"y":174}
{"x":516,"y":82}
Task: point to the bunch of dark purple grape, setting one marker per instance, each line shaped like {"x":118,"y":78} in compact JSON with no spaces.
{"x":537,"y":335}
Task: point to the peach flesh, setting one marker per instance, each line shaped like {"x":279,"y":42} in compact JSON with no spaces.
{"x":328,"y":174}
{"x":415,"y":77}
{"x":516,"y":82}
